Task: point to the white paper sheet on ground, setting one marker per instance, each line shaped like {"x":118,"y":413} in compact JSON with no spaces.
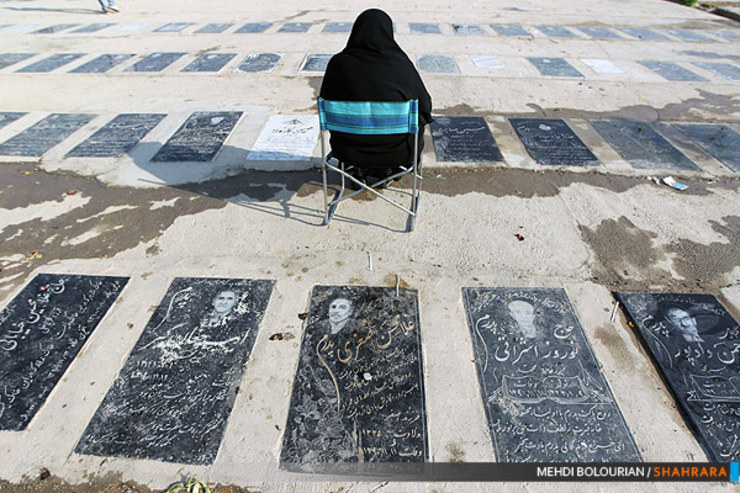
{"x":286,"y":138}
{"x":601,"y":66}
{"x":487,"y":61}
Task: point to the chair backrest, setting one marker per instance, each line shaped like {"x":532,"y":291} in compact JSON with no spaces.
{"x":369,"y":117}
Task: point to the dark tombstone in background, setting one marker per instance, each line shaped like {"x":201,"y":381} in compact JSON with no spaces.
{"x":41,"y":331}
{"x":42,"y":136}
{"x":464,"y":139}
{"x":210,"y":62}
{"x":338,"y":27}
{"x":8,"y":59}
{"x":254,"y":28}
{"x":54,"y":29}
{"x":93,"y":28}
{"x":468,"y":29}
{"x":556,"y":32}
{"x":259,"y":62}
{"x":295,"y":27}
{"x":199,"y":138}
{"x":8,"y":117}
{"x":551,"y":142}
{"x":118,"y":136}
{"x":358,"y":394}
{"x":641,"y":146}
{"x":554,"y":67}
{"x":173,"y":397}
{"x":644,"y":34}
{"x":214,"y":28}
{"x":724,"y":70}
{"x":600,"y":33}
{"x":101,"y":64}
{"x":154,"y":62}
{"x":672,"y":71}
{"x":316,"y":62}
{"x":720,"y":141}
{"x":690,"y":35}
{"x":424,"y":28}
{"x":438,"y":64}
{"x":50,"y":63}
{"x":510,"y":30}
{"x":173,"y":27}
{"x":694,"y":342}
{"x":545,"y":397}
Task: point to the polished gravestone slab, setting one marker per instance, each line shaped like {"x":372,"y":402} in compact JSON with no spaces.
{"x":39,"y":138}
{"x":316,"y":62}
{"x":41,"y":332}
{"x":487,"y":61}
{"x":51,"y":63}
{"x":155,"y":62}
{"x":690,"y":35}
{"x":118,"y":136}
{"x":199,"y":138}
{"x":93,"y":28}
{"x":464,"y":139}
{"x":694,"y":342}
{"x":173,"y":27}
{"x":173,"y":396}
{"x":551,"y":142}
{"x":645,"y":34}
{"x":259,"y":62}
{"x":720,"y":141}
{"x":286,"y":138}
{"x":295,"y":27}
{"x":55,"y":29}
{"x":557,"y":67}
{"x":724,"y":70}
{"x":556,"y":32}
{"x":211,"y":62}
{"x":8,"y":59}
{"x":424,"y":28}
{"x":510,"y":30}
{"x":468,"y":29}
{"x":438,"y":64}
{"x":672,"y":71}
{"x":358,"y":394}
{"x":641,"y":146}
{"x":101,"y":64}
{"x":213,"y":28}
{"x":338,"y":27}
{"x":254,"y":27}
{"x":544,"y":394}
{"x":599,"y":33}
{"x":8,"y":117}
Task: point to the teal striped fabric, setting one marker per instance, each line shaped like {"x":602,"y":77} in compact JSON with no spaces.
{"x":369,"y":117}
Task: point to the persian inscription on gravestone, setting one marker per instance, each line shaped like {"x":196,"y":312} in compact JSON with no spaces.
{"x":93,"y":28}
{"x":724,"y":70}
{"x":358,"y":394}
{"x":254,"y":27}
{"x":316,"y":62}
{"x":173,"y":27}
{"x":641,"y":146}
{"x":173,"y":396}
{"x":55,"y":29}
{"x":468,"y":29}
{"x":720,"y":141}
{"x":211,"y":62}
{"x":554,"y":67}
{"x":338,"y":27}
{"x":545,"y":397}
{"x":118,"y":136}
{"x":464,"y":139}
{"x":213,"y":28}
{"x":295,"y":27}
{"x":259,"y":62}
{"x":600,"y":33}
{"x":101,"y":64}
{"x":41,"y":331}
{"x":42,"y":136}
{"x":551,"y":142}
{"x":200,"y":137}
{"x":424,"y":28}
{"x":51,"y":63}
{"x":645,"y":34}
{"x":8,"y":117}
{"x":695,"y":344}
{"x":510,"y":30}
{"x":286,"y":138}
{"x":154,"y":62}
{"x":8,"y":59}
{"x":671,"y":71}
{"x":438,"y":64}
{"x":556,"y":32}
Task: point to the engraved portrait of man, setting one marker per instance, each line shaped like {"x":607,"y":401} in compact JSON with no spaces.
{"x":523,"y":314}
{"x":222,"y":303}
{"x":340,"y":311}
{"x":683,"y":322}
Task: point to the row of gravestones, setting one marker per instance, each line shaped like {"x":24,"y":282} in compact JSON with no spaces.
{"x":359,"y":388}
{"x":317,"y":62}
{"x":601,"y":33}
{"x":549,"y":141}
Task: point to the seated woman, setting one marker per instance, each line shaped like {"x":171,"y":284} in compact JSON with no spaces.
{"x":372,"y":67}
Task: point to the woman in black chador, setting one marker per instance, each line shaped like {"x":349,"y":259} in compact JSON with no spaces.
{"x":372,"y":67}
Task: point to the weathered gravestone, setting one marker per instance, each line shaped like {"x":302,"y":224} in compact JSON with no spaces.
{"x":39,"y":138}
{"x":641,"y":146}
{"x":545,"y":397}
{"x":286,"y":138}
{"x":695,"y":344}
{"x":690,"y":35}
{"x":173,"y":397}
{"x":728,"y":35}
{"x":316,"y":62}
{"x":600,"y":33}
{"x":551,"y":142}
{"x":8,"y":117}
{"x":211,"y":62}
{"x":724,"y":70}
{"x":55,"y":29}
{"x":468,"y":29}
{"x":438,"y":64}
{"x":41,"y":331}
{"x":118,"y":136}
{"x":259,"y":62}
{"x":556,"y":32}
{"x":8,"y":59}
{"x":487,"y":61}
{"x":101,"y":64}
{"x":254,"y":28}
{"x":720,"y":141}
{"x":173,"y":27}
{"x":510,"y":30}
{"x":50,"y":63}
{"x":672,"y":71}
{"x":554,"y":67}
{"x":424,"y":28}
{"x":154,"y":62}
{"x":93,"y":28}
{"x":358,"y":394}
{"x":295,"y":27}
{"x":338,"y":27}
{"x":199,"y":138}
{"x":464,"y":139}
{"x":644,"y":34}
{"x":213,"y":28}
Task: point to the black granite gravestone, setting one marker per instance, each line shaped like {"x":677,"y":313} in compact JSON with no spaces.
{"x":199,"y":138}
{"x":671,"y":71}
{"x":644,"y":34}
{"x":51,"y":63}
{"x":464,"y":139}
{"x":556,"y":32}
{"x":557,"y":67}
{"x":724,"y":70}
{"x":213,"y":28}
{"x":173,"y":27}
{"x":316,"y":62}
{"x":211,"y":62}
{"x":295,"y":27}
{"x":728,"y":35}
{"x":55,"y":29}
{"x":173,"y":396}
{"x":154,"y":62}
{"x":641,"y":146}
{"x":510,"y":30}
{"x":118,"y":136}
{"x":720,"y":141}
{"x":259,"y":62}
{"x":358,"y":394}
{"x":39,"y":138}
{"x":545,"y":397}
{"x":338,"y":27}
{"x":8,"y":59}
{"x":254,"y":28}
{"x":424,"y":28}
{"x":550,"y":141}
{"x":93,"y":28}
{"x":438,"y":64}
{"x":8,"y":117}
{"x":101,"y":64}
{"x":694,"y":343}
{"x":41,"y":331}
{"x":690,"y":35}
{"x":600,"y":33}
{"x":468,"y":29}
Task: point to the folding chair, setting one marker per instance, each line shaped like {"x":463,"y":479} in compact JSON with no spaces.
{"x":369,"y":118}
